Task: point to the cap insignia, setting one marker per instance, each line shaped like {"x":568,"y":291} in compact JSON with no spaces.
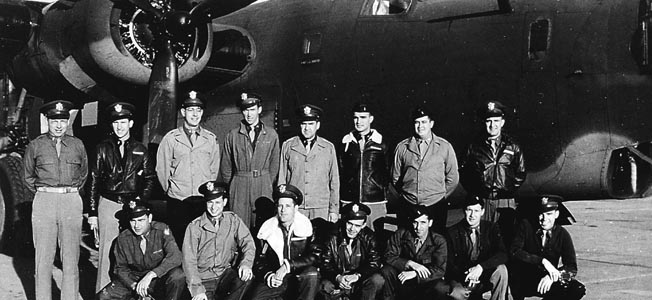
{"x":281,"y":188}
{"x":210,"y":186}
{"x":244,"y":96}
{"x":118,"y":108}
{"x":491,"y":106}
{"x":355,"y":208}
{"x":544,"y":200}
{"x":306,"y":110}
{"x":59,"y":106}
{"x":132,"y":204}
{"x":193,"y":95}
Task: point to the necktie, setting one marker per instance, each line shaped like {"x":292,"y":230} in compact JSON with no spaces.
{"x":545,"y":237}
{"x":423,"y":147}
{"x":474,"y":244}
{"x":494,"y":147}
{"x":349,"y":248}
{"x":143,"y":244}
{"x":58,"y":146}
{"x":418,"y":245}
{"x":307,"y":144}
{"x":121,"y":147}
{"x":193,"y":138}
{"x":252,"y":134}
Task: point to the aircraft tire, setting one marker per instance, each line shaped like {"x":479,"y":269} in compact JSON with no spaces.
{"x":15,"y":208}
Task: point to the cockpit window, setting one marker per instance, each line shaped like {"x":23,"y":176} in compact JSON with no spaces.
{"x":385,"y":7}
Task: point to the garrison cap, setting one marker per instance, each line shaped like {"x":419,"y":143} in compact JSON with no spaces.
{"x":288,"y":191}
{"x":355,"y":211}
{"x":137,"y":209}
{"x":213,"y":190}
{"x":492,"y":109}
{"x":59,"y":109}
{"x":248,"y":100}
{"x":361,"y":107}
{"x":192,"y":100}
{"x":121,"y":110}
{"x":309,"y":112}
{"x":417,"y":211}
{"x":549,"y":202}
{"x":472,"y":199}
{"x":419,"y":112}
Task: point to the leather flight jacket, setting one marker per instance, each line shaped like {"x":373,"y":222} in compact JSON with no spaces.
{"x":493,"y":177}
{"x":121,"y":179}
{"x":363,"y":172}
{"x":333,"y":263}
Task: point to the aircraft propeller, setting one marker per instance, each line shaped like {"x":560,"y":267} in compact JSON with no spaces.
{"x":168,"y":26}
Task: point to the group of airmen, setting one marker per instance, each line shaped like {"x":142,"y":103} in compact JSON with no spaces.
{"x":240,"y":220}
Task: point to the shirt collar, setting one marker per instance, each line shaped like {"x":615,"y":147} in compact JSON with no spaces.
{"x":188,"y":132}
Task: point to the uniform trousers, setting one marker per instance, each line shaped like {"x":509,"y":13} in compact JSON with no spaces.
{"x":503,"y":213}
{"x":495,"y":280}
{"x":411,"y":289}
{"x":168,"y":287}
{"x":303,"y":286}
{"x":228,"y":286}
{"x":181,"y":212}
{"x":56,"y":218}
{"x":109,"y":228}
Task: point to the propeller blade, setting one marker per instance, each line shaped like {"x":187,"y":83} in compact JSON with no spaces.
{"x":147,"y":7}
{"x":162,"y":112}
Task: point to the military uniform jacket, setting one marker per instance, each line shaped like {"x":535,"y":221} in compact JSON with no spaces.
{"x":121,"y":178}
{"x":315,"y":173}
{"x":425,"y":180}
{"x":483,"y":172}
{"x":363,"y":168}
{"x":251,"y":172}
{"x":182,"y":167}
{"x":365,"y":261}
{"x":492,"y":252}
{"x":44,"y":168}
{"x":300,"y":251}
{"x":209,"y":251}
{"x":527,"y":251}
{"x":161,"y":255}
{"x":433,"y":253}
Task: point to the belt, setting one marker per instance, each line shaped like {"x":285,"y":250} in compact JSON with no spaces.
{"x":58,"y":190}
{"x":253,"y":173}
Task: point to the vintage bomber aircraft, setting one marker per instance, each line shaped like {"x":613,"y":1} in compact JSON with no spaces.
{"x":575,"y":72}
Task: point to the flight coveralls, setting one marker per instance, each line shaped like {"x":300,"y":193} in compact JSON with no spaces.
{"x":116,"y":180}
{"x":250,"y":169}
{"x":56,"y":209}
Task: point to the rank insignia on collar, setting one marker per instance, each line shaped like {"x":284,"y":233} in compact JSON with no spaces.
{"x":491,"y":106}
{"x":59,"y":106}
{"x":306,"y":110}
{"x":118,"y":107}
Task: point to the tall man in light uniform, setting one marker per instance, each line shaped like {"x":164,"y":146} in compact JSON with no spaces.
{"x":250,"y":160}
{"x":56,"y":167}
{"x":309,"y":162}
{"x":187,"y":157}
{"x":122,"y":172}
{"x":363,"y":164}
{"x":425,"y":170}
{"x":494,"y":169}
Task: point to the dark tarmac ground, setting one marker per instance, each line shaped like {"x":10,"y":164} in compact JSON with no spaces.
{"x":613,"y":241}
